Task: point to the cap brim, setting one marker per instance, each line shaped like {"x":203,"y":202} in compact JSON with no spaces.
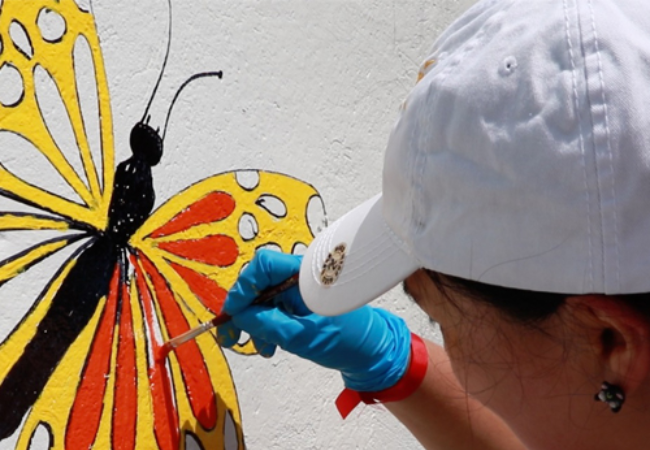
{"x":353,"y":261}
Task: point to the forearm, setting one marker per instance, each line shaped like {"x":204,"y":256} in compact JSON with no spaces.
{"x":443,"y":417}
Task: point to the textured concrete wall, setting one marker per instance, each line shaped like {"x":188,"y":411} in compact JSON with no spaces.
{"x":310,"y":90}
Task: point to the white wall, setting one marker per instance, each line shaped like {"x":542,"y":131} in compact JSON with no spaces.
{"x":310,"y":89}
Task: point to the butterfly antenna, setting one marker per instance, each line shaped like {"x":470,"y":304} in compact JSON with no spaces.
{"x":196,"y":76}
{"x":162,"y":69}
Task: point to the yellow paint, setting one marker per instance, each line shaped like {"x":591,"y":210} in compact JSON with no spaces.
{"x":425,"y":68}
{"x":221,"y":382}
{"x":17,"y":266}
{"x":144,"y":430}
{"x":15,"y":222}
{"x":12,"y":347}
{"x":10,"y":183}
{"x":56,"y":400}
{"x":285,"y":232}
{"x":26,"y":120}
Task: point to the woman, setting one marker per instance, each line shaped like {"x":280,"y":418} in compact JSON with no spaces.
{"x":516,"y":212}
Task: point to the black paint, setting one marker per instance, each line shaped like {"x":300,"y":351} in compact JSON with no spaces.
{"x":76,"y":300}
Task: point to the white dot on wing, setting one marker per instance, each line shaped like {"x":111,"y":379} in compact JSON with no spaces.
{"x":51,"y":24}
{"x":248,"y":227}
{"x":270,"y":246}
{"x":248,"y":179}
{"x":12,"y":87}
{"x":41,"y":439}
{"x":20,"y":39}
{"x":316,"y":217}
{"x":299,"y":248}
{"x":273,"y":205}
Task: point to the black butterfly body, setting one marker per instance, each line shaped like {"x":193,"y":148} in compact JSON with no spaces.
{"x":87,"y":283}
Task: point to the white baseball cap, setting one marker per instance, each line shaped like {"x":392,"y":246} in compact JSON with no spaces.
{"x":520,"y":159}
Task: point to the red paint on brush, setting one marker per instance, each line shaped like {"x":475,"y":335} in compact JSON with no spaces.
{"x":161,"y":353}
{"x":266,"y":296}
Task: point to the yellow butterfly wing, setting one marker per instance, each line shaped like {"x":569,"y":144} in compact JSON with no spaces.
{"x":36,"y":56}
{"x":108,"y":391}
{"x":39,"y":42}
{"x":215,"y":226}
{"x":198,"y":242}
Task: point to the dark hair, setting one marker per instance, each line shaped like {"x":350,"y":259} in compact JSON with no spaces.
{"x":527,"y":307}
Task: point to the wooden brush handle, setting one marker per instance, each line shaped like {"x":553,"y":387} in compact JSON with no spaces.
{"x":220,"y":319}
{"x":265,"y":297}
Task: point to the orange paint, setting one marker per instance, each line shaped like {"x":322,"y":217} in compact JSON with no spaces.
{"x":125,"y":410}
{"x":195,"y":373}
{"x":166,"y":420}
{"x":165,"y":415}
{"x":217,"y":250}
{"x":207,"y":290}
{"x":87,"y":408}
{"x":162,"y":352}
{"x":214,"y":207}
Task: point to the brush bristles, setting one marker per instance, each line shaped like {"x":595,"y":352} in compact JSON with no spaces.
{"x":162,"y":352}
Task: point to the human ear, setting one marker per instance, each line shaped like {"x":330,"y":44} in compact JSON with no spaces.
{"x":619,"y":335}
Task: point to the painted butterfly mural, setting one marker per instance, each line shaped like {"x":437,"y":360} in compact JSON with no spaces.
{"x":97,"y":280}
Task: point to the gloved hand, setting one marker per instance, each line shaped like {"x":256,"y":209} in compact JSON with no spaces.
{"x":369,"y":346}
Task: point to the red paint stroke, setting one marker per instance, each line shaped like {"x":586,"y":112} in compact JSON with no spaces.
{"x":195,"y":373}
{"x":125,"y":411}
{"x":217,"y":250}
{"x":214,"y":207}
{"x":87,"y":408}
{"x":161,"y":387}
{"x":165,"y":414}
{"x":206,"y":289}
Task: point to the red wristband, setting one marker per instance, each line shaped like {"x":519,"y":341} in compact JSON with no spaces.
{"x":410,"y":381}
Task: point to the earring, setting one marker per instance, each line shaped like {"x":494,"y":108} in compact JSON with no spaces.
{"x":612,"y":395}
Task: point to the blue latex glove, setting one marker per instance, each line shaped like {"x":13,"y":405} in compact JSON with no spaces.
{"x":369,"y":346}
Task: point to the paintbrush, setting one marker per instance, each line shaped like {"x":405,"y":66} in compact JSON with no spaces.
{"x":265,"y":296}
